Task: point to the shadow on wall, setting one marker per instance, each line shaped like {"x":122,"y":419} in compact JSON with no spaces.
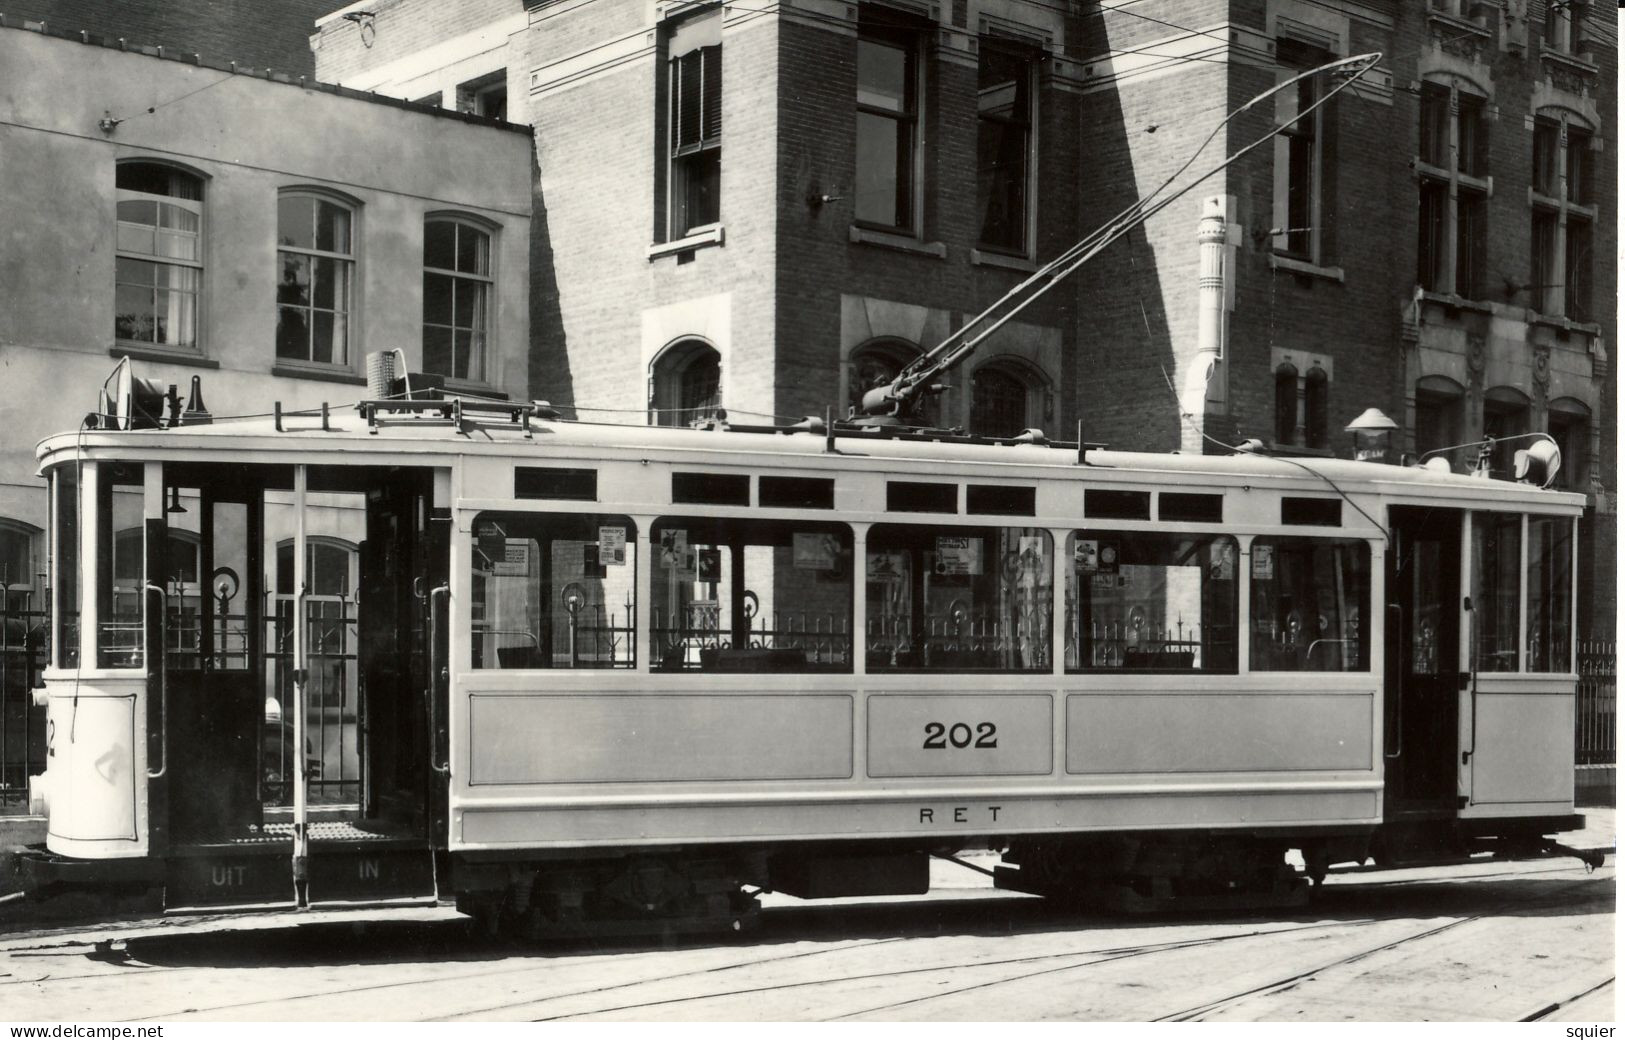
{"x":550,"y":376}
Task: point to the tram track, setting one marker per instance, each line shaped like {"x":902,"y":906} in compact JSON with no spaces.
{"x":1042,"y":965}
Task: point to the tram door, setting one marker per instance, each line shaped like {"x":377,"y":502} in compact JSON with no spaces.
{"x":1423,"y":662}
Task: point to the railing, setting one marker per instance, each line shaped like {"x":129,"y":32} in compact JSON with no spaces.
{"x":786,"y":640}
{"x":22,"y":725}
{"x":1595,"y":719}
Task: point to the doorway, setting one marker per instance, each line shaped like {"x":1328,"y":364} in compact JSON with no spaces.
{"x":1424,"y":666}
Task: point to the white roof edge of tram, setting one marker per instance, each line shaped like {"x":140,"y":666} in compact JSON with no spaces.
{"x":349,"y":441}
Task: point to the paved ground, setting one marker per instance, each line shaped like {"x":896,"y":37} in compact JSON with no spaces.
{"x":1484,"y":941}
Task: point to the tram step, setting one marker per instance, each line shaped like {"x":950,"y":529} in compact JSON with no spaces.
{"x":216,"y":879}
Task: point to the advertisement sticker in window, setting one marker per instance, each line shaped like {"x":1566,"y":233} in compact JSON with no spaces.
{"x":958,"y":554}
{"x":612,"y":546}
{"x":815,"y":552}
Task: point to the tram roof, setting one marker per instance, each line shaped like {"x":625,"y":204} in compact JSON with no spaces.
{"x":351,"y":440}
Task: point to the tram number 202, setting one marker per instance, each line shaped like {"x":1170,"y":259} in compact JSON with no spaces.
{"x":940,"y":736}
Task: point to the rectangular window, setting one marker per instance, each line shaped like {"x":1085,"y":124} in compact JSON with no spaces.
{"x":888,"y":125}
{"x":1000,"y":499}
{"x":1577,"y":269}
{"x":1472,"y":144}
{"x":1543,"y":266}
{"x":158,"y":272}
{"x":1004,"y":135}
{"x":66,"y":603}
{"x":904,"y":496}
{"x":1496,"y":549}
{"x":572,"y":484}
{"x":751,"y":595}
{"x":1117,"y":505}
{"x":1472,"y":215}
{"x":1299,"y":150}
{"x":553,"y":591}
{"x":694,"y":126}
{"x":954,"y":599}
{"x":317,"y":264}
{"x":796,"y":492}
{"x":1432,"y":226}
{"x":1312,"y":512}
{"x":1577,"y":166}
{"x":1190,"y":508}
{"x":1310,"y":605}
{"x":457,"y":287}
{"x":1435,"y":132}
{"x":1544,"y":157}
{"x":1548,"y":593}
{"x":717,"y":489}
{"x":120,"y":566}
{"x":1151,"y":602}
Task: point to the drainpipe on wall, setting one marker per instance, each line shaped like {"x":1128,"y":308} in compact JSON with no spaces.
{"x":1215,"y":298}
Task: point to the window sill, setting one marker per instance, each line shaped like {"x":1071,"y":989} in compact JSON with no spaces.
{"x":1563,"y":324}
{"x":319,"y":373}
{"x":1573,"y":61}
{"x":1452,"y":300}
{"x":900,"y":242}
{"x":165,"y":357}
{"x":1466,"y":26}
{"x":710,"y":235}
{"x":1288,"y":263}
{"x":1004,"y":260}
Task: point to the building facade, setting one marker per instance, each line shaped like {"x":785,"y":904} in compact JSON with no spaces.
{"x":261,"y":234}
{"x":770,"y":207}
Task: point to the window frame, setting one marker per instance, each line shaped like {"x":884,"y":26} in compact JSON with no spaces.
{"x":32,"y":543}
{"x":1560,"y":283}
{"x":488,"y":349}
{"x":1517,"y":564}
{"x":198,"y":265}
{"x":679,"y":157}
{"x":348,"y":262}
{"x":1028,"y":123}
{"x":668,"y":375}
{"x":1306,"y":242}
{"x":911,"y":115}
{"x":1452,"y":247}
{"x":1035,"y":385}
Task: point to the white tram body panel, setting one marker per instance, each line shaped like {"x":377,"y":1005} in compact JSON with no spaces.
{"x":553,"y":759}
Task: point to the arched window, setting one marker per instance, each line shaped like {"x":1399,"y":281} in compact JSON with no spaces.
{"x":1506,"y":414}
{"x":456,"y":298}
{"x":1004,"y":400}
{"x":316,"y":265}
{"x":685,"y":384}
{"x":1569,"y":423}
{"x":159,"y":268}
{"x":1317,"y":389}
{"x":877,"y":364}
{"x":18,"y":566}
{"x":1286,"y":404}
{"x":1439,"y":418}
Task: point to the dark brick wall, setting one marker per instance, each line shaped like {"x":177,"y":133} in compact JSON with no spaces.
{"x":260,"y":34}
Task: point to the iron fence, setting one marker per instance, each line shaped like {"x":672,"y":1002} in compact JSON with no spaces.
{"x":1595,"y":730}
{"x":22,"y":725}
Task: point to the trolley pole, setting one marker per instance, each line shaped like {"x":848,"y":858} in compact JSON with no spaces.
{"x":301,"y":810}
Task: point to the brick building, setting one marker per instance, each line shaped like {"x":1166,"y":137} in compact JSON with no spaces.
{"x":769,"y":206}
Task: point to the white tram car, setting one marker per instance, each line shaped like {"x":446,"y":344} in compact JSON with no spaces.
{"x":592,"y":673}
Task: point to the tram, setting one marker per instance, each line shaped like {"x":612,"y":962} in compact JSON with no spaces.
{"x":607,"y":676}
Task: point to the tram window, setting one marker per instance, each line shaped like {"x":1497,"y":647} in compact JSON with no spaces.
{"x":1178,"y":507}
{"x":65,"y":566}
{"x":1117,"y":505}
{"x":797,"y":492}
{"x":1151,"y":601}
{"x":1000,"y":499}
{"x":1548,"y":593}
{"x":553,"y":590}
{"x":751,"y":595}
{"x":956,"y":599}
{"x":1496,"y":550}
{"x":905,"y":496}
{"x":1312,"y":512}
{"x":1310,"y":601}
{"x":717,"y":489}
{"x":120,"y":585}
{"x":574,"y":484}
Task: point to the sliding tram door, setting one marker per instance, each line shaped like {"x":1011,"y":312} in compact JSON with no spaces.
{"x":1424,"y":662}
